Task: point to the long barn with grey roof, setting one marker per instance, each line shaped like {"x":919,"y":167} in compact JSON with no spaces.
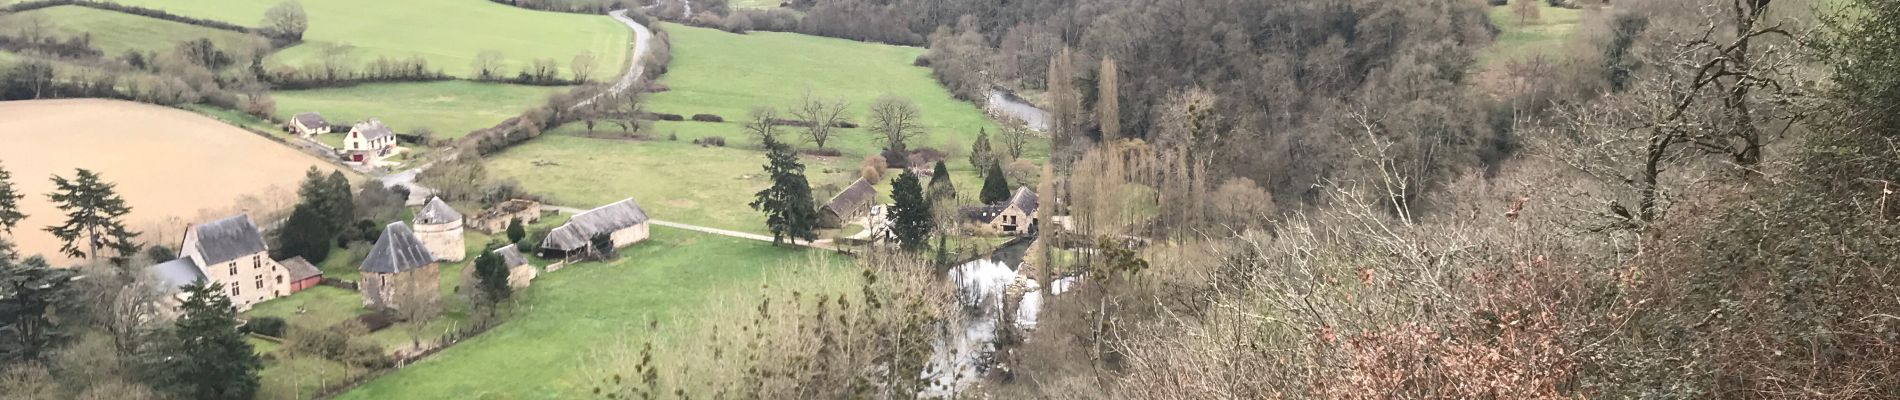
{"x":399,"y":270}
{"x":624,"y":222}
{"x":850,"y":204}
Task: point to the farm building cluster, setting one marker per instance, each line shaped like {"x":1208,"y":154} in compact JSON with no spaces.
{"x":403,"y":266}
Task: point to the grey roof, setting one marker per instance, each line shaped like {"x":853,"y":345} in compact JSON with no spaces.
{"x":311,"y":120}
{"x":608,"y":218}
{"x":229,"y":238}
{"x":372,"y":129}
{"x":300,"y":269}
{"x":511,"y":256}
{"x":437,"y":211}
{"x":984,"y":213}
{"x":854,"y":197}
{"x":397,"y":251}
{"x":1025,"y":199}
{"x":175,"y":274}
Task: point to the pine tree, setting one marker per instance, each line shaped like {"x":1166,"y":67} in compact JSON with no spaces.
{"x":302,"y":236}
{"x":491,"y":273}
{"x":910,"y":214}
{"x":28,"y":291}
{"x":995,"y":186}
{"x":10,"y":214}
{"x":210,"y":359}
{"x":941,"y":189}
{"x":94,"y":214}
{"x":788,"y":206}
{"x":516,"y":231}
{"x":981,"y":152}
{"x":341,"y":202}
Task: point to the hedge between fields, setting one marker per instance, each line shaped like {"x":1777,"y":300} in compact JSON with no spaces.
{"x":134,"y":10}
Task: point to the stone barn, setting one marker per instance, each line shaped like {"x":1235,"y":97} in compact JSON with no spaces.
{"x":623,"y":221}
{"x":849,"y":205}
{"x":399,"y":271}
{"x":440,"y":228}
{"x":495,"y":219}
{"x":520,"y":272}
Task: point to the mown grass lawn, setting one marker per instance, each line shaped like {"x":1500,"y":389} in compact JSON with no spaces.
{"x":451,"y":108}
{"x":1521,"y":39}
{"x":114,"y":32}
{"x":561,"y":325}
{"x":448,"y":33}
{"x":727,"y":74}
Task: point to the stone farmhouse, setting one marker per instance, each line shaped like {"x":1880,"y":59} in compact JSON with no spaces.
{"x":399,"y":271}
{"x":229,"y":251}
{"x":495,"y":219}
{"x":369,"y":142}
{"x":440,"y":228}
{"x":1014,"y":217}
{"x":849,"y":205}
{"x":520,"y":273}
{"x":309,"y":124}
{"x":623,"y":221}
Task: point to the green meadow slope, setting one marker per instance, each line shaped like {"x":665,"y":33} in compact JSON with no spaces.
{"x":725,"y":74}
{"x":449,"y":33}
{"x":450,"y":108}
{"x":115,"y":32}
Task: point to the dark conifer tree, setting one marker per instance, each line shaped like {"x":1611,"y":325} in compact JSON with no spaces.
{"x":911,"y":220}
{"x":10,"y":214}
{"x":29,"y":291}
{"x":491,"y":273}
{"x":209,"y":358}
{"x":516,"y":231}
{"x":94,"y":213}
{"x":788,"y":206}
{"x":995,"y":186}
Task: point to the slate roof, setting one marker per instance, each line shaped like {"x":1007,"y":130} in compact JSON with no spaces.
{"x":311,"y":120}
{"x":853,"y":197}
{"x":1025,"y":199}
{"x":983,"y":214}
{"x":228,"y":239}
{"x":437,"y":211}
{"x":397,"y":251}
{"x":510,"y":256}
{"x":175,"y":274}
{"x":372,"y":129}
{"x":608,"y":218}
{"x":300,"y":269}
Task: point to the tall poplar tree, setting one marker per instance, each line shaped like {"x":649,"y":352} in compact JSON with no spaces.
{"x":1108,"y":100}
{"x":788,"y":206}
{"x":94,"y":218}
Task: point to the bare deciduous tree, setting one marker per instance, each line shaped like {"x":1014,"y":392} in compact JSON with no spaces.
{"x":286,"y":21}
{"x":583,"y":67}
{"x":896,"y":120}
{"x":761,"y":123}
{"x":487,"y":65}
{"x":824,"y":116}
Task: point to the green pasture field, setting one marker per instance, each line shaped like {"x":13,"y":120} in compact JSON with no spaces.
{"x":114,"y":33}
{"x":451,"y":108}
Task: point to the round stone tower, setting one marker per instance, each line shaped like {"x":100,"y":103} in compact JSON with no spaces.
{"x":440,"y":229}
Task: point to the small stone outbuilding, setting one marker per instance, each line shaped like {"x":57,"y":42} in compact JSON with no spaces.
{"x":440,"y":228}
{"x":520,"y":272}
{"x":495,"y":219}
{"x":302,"y":274}
{"x":624,"y":222}
{"x":400,"y":271}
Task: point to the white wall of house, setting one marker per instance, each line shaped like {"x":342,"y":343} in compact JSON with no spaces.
{"x":247,"y":280}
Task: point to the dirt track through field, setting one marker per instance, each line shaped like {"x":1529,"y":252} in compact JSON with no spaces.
{"x":172,"y":167}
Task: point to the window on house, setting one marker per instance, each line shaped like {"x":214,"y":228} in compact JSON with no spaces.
{"x":234,"y":291}
{"x":280,"y":279}
{"x":257,"y":262}
{"x":233,"y":269}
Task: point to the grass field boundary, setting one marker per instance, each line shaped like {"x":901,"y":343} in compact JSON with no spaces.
{"x":134,"y":10}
